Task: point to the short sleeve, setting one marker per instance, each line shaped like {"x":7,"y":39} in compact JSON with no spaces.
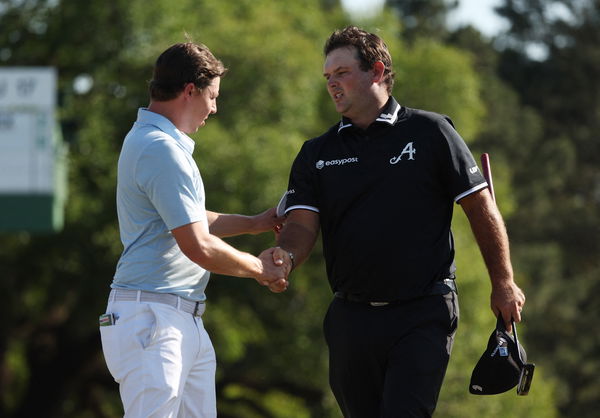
{"x":172,"y":183}
{"x":302,"y":192}
{"x":462,"y":174}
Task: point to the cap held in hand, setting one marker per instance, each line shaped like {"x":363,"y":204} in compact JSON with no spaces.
{"x":503,"y":365}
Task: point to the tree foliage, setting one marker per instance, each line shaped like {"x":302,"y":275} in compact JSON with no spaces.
{"x":423,"y":19}
{"x":558,"y":225}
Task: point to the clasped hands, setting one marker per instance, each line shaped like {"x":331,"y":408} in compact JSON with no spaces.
{"x":277,"y":266}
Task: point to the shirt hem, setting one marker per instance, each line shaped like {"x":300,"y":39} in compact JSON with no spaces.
{"x":471,"y":190}
{"x":311,"y":208}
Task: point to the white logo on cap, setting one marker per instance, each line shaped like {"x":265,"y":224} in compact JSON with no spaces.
{"x":476,"y":387}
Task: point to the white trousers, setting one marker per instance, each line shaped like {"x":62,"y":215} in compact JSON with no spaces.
{"x":163,"y":360}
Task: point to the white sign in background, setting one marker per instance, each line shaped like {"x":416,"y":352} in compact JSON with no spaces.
{"x":27,"y":145}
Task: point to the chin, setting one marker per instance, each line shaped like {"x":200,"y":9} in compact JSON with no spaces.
{"x":191,"y":130}
{"x":342,"y":109}
{"x":345,"y":113}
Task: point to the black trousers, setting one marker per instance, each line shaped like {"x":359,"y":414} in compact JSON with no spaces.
{"x":390,"y":361}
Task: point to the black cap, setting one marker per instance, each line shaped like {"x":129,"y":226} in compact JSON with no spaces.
{"x":500,"y":366}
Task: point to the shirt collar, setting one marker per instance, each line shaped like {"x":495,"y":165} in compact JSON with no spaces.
{"x":147,"y":117}
{"x":388,"y":115}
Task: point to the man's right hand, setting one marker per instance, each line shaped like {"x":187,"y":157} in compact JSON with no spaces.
{"x":275,"y":271}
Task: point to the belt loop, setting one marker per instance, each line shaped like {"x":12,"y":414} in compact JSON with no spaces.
{"x":179,"y":302}
{"x":138,"y":296}
{"x":113,"y":295}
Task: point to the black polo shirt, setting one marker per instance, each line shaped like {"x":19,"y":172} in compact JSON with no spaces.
{"x":385,"y":198}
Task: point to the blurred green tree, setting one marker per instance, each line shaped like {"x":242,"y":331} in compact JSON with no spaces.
{"x":551,"y":57}
{"x":423,"y":19}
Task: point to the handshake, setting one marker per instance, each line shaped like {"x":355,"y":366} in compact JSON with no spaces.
{"x":277,"y":263}
{"x":276,"y":267}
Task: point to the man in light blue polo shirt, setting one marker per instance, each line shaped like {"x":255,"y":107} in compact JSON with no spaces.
{"x":153,"y":338}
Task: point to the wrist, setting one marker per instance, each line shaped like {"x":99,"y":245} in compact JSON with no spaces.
{"x":291,"y":256}
{"x":252,"y":225}
{"x":258,"y":268}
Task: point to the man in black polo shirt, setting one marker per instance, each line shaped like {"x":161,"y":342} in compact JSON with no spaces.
{"x":381,"y":185}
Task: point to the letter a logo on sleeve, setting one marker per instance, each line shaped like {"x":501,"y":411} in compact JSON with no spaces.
{"x":408,"y":150}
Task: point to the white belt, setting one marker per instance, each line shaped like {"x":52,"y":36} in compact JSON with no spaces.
{"x":185,"y":305}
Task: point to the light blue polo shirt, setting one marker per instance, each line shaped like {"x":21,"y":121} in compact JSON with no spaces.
{"x":159,"y":188}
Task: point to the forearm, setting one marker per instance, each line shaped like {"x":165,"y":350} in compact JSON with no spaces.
{"x":490,"y":232}
{"x":216,"y":256}
{"x":213,"y":254}
{"x":298,"y":240}
{"x":491,"y":236}
{"x":227,"y":225}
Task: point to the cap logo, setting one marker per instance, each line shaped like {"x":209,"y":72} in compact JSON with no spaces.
{"x":501,"y":348}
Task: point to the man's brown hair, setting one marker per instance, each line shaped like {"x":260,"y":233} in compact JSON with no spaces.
{"x":369,"y":48}
{"x":181,"y":64}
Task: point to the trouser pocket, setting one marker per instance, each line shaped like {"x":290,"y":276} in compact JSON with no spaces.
{"x":132,"y":331}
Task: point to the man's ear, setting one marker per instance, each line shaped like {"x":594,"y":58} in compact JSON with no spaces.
{"x":189,"y":89}
{"x":378,"y":70}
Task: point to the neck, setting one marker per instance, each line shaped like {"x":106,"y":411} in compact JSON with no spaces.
{"x":169,"y":110}
{"x":372,"y":112}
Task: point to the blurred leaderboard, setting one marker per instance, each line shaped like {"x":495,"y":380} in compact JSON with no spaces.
{"x":32,"y":153}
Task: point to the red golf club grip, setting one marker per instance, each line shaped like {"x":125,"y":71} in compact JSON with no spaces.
{"x":487,"y":173}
